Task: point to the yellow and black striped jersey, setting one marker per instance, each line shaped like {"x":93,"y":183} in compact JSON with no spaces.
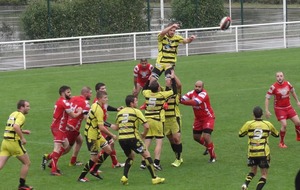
{"x":17,"y":118}
{"x":168,"y":48}
{"x":154,"y":104}
{"x":258,"y":132}
{"x":129,"y":119}
{"x":94,"y":118}
{"x":173,"y":107}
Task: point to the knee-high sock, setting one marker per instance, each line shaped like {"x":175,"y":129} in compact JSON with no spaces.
{"x":54,"y":159}
{"x":113,"y":156}
{"x":261,"y":183}
{"x":128,"y":164}
{"x":177,"y":149}
{"x":282,"y":135}
{"x":249,"y":178}
{"x":149,"y":164}
{"x":211,"y":150}
{"x":86,"y":168}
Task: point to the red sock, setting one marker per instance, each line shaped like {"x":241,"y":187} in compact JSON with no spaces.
{"x":49,"y":157}
{"x":54,"y":160}
{"x":202,"y":141}
{"x":113,"y":156}
{"x":73,"y":159}
{"x":211,"y":150}
{"x":282,"y":134}
{"x":61,"y":151}
{"x":297,"y":128}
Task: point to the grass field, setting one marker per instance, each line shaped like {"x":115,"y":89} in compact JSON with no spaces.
{"x":236,"y":83}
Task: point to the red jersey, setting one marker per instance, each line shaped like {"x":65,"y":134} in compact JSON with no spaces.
{"x":142,"y":73}
{"x":281,"y":94}
{"x":60,"y":115}
{"x":203,"y":110}
{"x":76,"y":102}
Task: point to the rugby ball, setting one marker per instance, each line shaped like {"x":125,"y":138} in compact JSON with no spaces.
{"x":225,"y":23}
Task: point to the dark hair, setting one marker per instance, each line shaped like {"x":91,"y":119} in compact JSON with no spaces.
{"x":154,"y":86}
{"x":129,"y":99}
{"x":100,"y":94}
{"x":99,"y":85}
{"x":21,"y":103}
{"x":257,"y":112}
{"x":63,"y":89}
{"x":143,"y":60}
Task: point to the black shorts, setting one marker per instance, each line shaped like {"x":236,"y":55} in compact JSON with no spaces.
{"x":262,"y":162}
{"x":132,"y":144}
{"x":156,"y":73}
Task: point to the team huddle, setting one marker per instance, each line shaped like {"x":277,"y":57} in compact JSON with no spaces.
{"x":159,"y":115}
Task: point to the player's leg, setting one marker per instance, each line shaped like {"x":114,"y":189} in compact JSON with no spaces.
{"x":137,"y":90}
{"x":156,"y":72}
{"x":3,"y":160}
{"x":4,"y":154}
{"x":176,"y":141}
{"x":251,"y":174}
{"x":102,"y":156}
{"x":282,"y":133}
{"x":209,"y":144}
{"x":296,"y":122}
{"x":94,"y":147}
{"x":147,"y":141}
{"x":264,"y":165}
{"x":157,"y":152}
{"x":76,"y":149}
{"x":24,"y":170}
{"x":149,"y":163}
{"x":114,"y":159}
{"x":150,"y":166}
{"x":281,"y":115}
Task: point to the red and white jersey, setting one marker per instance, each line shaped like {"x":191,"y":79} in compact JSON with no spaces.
{"x":60,"y":115}
{"x":203,"y":110}
{"x":142,"y":73}
{"x":78,"y":102}
{"x":281,"y":94}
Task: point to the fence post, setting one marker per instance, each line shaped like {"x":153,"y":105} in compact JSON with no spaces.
{"x":80,"y":50}
{"x":24,"y":56}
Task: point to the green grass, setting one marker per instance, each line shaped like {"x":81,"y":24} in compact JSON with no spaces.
{"x":236,"y":83}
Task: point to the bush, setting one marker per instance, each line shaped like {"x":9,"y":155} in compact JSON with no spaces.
{"x":13,"y":2}
{"x":82,"y":18}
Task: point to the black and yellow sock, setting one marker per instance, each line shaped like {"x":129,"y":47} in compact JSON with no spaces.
{"x":249,"y":177}
{"x":86,"y":168}
{"x":149,"y":164}
{"x":261,"y":183}
{"x":128,"y":164}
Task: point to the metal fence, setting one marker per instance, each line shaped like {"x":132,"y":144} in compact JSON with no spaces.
{"x":131,"y":46}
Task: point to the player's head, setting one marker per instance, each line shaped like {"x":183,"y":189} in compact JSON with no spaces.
{"x":100,"y":87}
{"x":23,"y":106}
{"x":131,"y":101}
{"x":154,"y":86}
{"x":172,"y":31}
{"x":199,"y":85}
{"x":257,"y":112}
{"x":65,"y":91}
{"x":280,"y":77}
{"x":102,"y":97}
{"x":86,"y":92}
{"x":143,"y":62}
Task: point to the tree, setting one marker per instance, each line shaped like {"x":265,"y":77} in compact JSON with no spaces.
{"x":198,"y":13}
